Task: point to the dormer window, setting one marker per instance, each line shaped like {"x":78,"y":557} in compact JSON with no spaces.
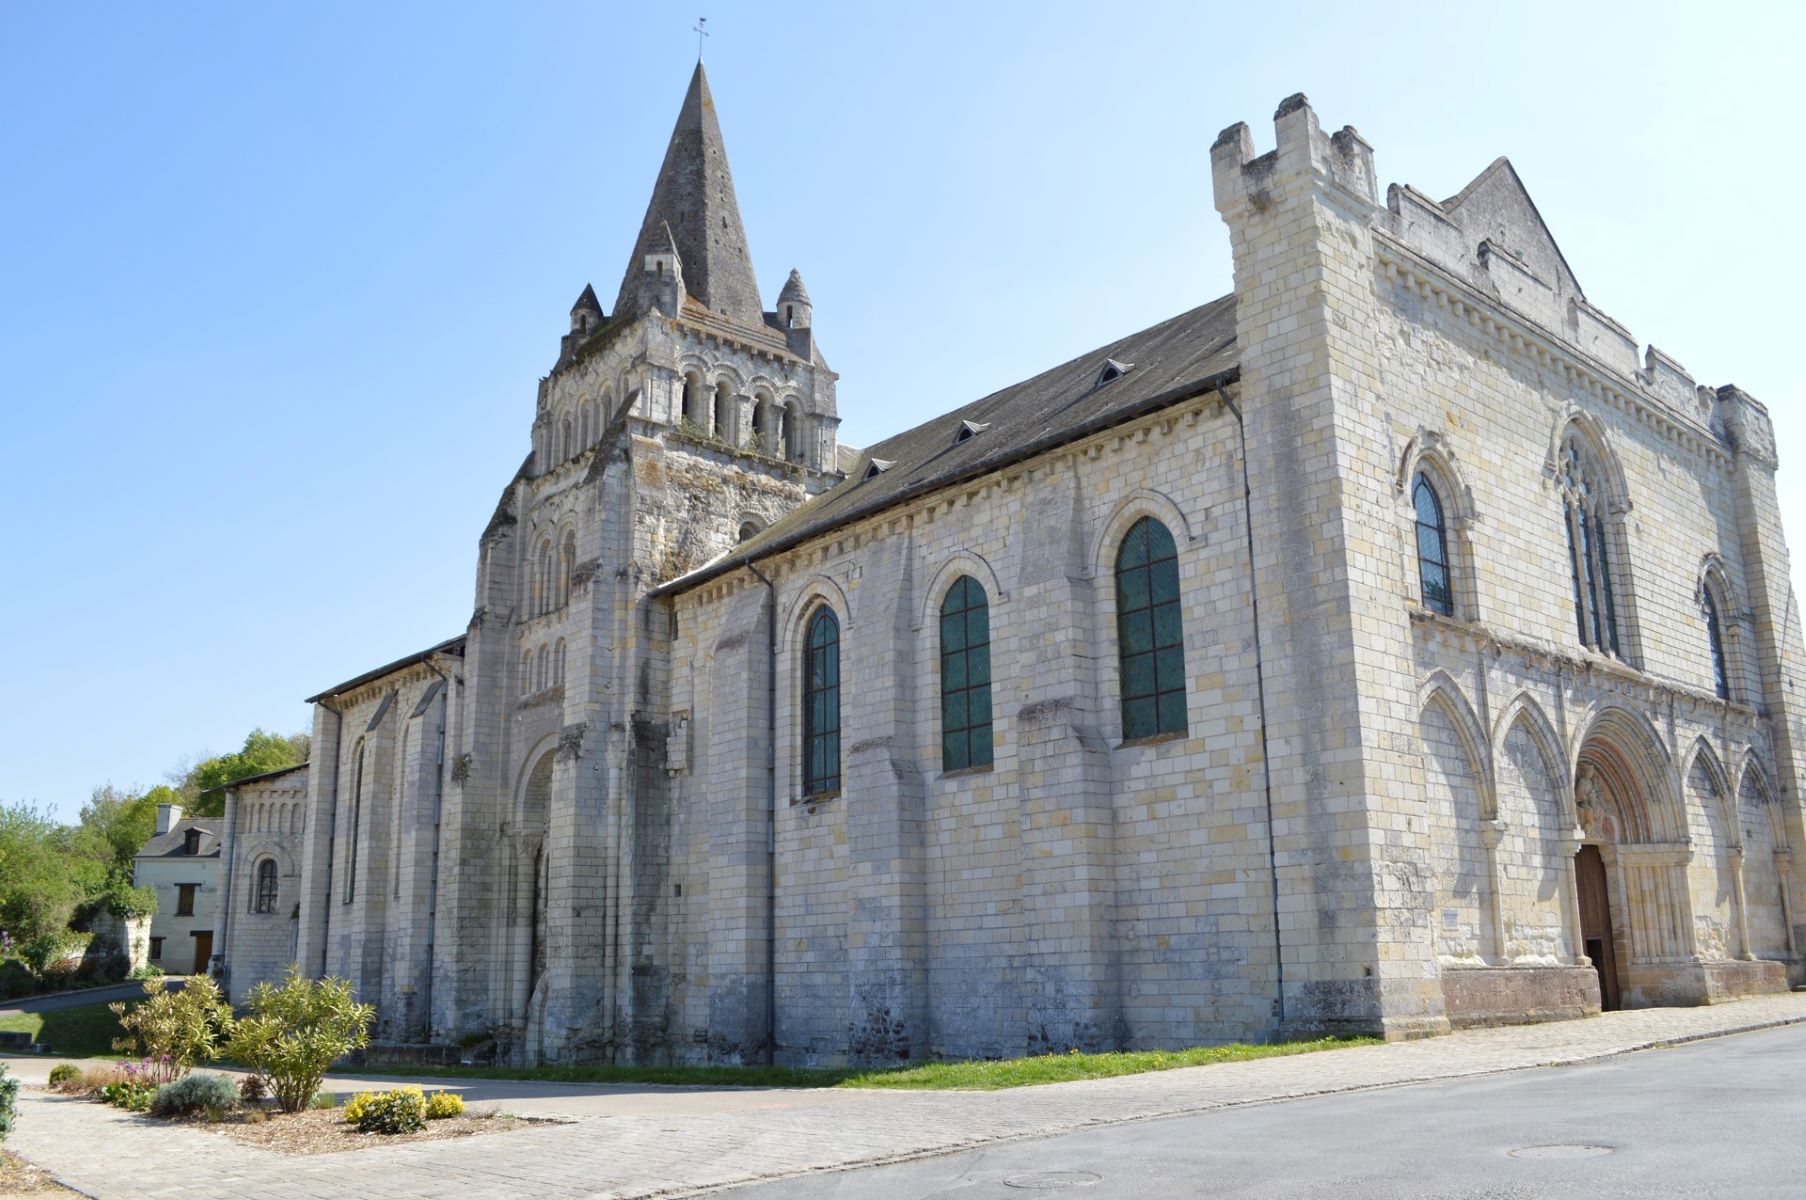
{"x":969,"y":429}
{"x":1112,"y":371}
{"x":191,"y":841}
{"x":876,"y":467}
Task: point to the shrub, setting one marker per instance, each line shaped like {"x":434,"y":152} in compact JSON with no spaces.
{"x":354,"y":1107}
{"x":147,"y":972}
{"x":440,"y":1105}
{"x":174,"y":1030}
{"x":193,"y":1093}
{"x":321,"y":1100}
{"x":130,"y":1095}
{"x":252,"y":1089}
{"x":93,"y":1079}
{"x":9,"y":1096}
{"x":296,"y":1031}
{"x":402,"y":1110}
{"x":62,"y":1073}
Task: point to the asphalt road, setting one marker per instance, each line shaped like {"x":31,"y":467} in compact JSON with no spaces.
{"x":103,"y":995}
{"x":1725,"y":1117}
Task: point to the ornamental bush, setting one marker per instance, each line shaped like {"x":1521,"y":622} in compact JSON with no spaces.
{"x":193,"y":1094}
{"x":175,"y":1030}
{"x":63,"y":1073}
{"x":9,"y":1096}
{"x":355,"y":1107}
{"x":296,"y":1031}
{"x":402,"y":1110}
{"x":440,"y":1105}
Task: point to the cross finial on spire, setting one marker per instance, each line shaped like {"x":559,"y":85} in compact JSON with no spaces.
{"x":702,"y":30}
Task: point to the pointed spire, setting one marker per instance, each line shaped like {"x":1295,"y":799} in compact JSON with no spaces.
{"x":587,"y":302}
{"x":694,"y":197}
{"x":794,"y":289}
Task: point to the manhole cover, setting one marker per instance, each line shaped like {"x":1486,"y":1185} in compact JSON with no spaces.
{"x":1559,"y":1151}
{"x":1053,"y":1181}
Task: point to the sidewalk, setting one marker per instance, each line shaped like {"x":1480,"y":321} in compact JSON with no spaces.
{"x":637,"y":1141}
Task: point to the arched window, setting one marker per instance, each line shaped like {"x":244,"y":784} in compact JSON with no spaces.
{"x":558,"y":665}
{"x":1149,"y":633}
{"x":965,"y":676}
{"x":263,"y":899}
{"x":542,"y":579}
{"x":357,"y":815}
{"x":1721,"y":675}
{"x":565,"y":439}
{"x":761,"y":431}
{"x":1589,"y":556}
{"x":567,"y":565}
{"x":582,"y":428}
{"x":821,"y":704}
{"x":695,"y":410}
{"x":542,"y":673}
{"x":748,"y":529}
{"x":1433,"y":571}
{"x":526,"y":672}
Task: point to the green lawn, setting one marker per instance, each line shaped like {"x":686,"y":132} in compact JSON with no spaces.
{"x":84,"y":1032}
{"x":962,"y":1076}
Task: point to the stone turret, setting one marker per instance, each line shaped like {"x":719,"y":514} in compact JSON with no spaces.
{"x":794,"y":309}
{"x":661,"y":280}
{"x":586,"y":314}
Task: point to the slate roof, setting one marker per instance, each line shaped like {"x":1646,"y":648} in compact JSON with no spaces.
{"x":694,"y":196}
{"x":264,"y":777}
{"x":169,"y":845}
{"x":1181,"y":357}
{"x":448,"y":646}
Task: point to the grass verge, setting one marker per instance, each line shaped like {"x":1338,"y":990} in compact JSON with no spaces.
{"x":949,"y":1076}
{"x":81,"y":1032}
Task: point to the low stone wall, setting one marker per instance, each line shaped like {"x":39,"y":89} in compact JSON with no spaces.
{"x":1518,"y":995}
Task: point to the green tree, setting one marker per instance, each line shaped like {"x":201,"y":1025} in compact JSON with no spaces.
{"x":263,"y":751}
{"x":40,"y":884}
{"x":114,"y":825}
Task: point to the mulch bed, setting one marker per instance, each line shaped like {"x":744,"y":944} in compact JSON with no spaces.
{"x":325,"y":1131}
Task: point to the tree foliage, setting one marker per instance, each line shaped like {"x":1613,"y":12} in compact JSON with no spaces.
{"x":296,"y":1031}
{"x":263,"y":751}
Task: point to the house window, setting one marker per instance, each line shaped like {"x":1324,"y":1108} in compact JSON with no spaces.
{"x":156,"y":947}
{"x":1149,"y":633}
{"x":1432,"y":548}
{"x":191,"y":841}
{"x":185,"y":899}
{"x":821,"y":705}
{"x":264,"y":901}
{"x":1589,"y":556}
{"x":1721,"y":678}
{"x":965,"y":676}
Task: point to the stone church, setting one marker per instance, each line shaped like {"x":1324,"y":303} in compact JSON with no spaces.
{"x":1387,"y":646}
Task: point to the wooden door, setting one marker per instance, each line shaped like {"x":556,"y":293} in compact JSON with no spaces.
{"x":203,"y":950}
{"x":1596,"y":923}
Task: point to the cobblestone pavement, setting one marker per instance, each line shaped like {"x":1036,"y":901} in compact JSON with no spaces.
{"x":644,"y":1141}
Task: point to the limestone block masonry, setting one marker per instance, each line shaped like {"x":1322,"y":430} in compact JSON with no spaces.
{"x":1387,"y":646}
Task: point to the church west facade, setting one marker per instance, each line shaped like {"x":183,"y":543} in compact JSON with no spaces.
{"x":1386,"y":646}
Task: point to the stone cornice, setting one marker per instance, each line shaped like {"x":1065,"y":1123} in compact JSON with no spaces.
{"x":1523,"y":337}
{"x":1645,"y":688}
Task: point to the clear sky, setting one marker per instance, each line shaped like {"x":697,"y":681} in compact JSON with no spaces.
{"x":277,"y":279}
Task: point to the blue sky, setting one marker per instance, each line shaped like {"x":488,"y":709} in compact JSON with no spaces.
{"x":277,"y":280}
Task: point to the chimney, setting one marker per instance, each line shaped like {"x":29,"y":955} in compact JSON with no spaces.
{"x":168,"y":816}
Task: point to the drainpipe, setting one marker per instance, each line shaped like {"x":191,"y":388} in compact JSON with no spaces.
{"x":332,"y":833}
{"x":228,"y":837}
{"x":432,"y":890}
{"x":1260,"y":691}
{"x":771,"y":814}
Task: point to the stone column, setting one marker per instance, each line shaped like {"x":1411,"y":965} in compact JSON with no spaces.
{"x":1737,"y":898}
{"x":1491,"y":833}
{"x":1570,"y":883}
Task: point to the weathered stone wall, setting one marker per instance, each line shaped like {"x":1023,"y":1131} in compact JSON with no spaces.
{"x":264,"y":821}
